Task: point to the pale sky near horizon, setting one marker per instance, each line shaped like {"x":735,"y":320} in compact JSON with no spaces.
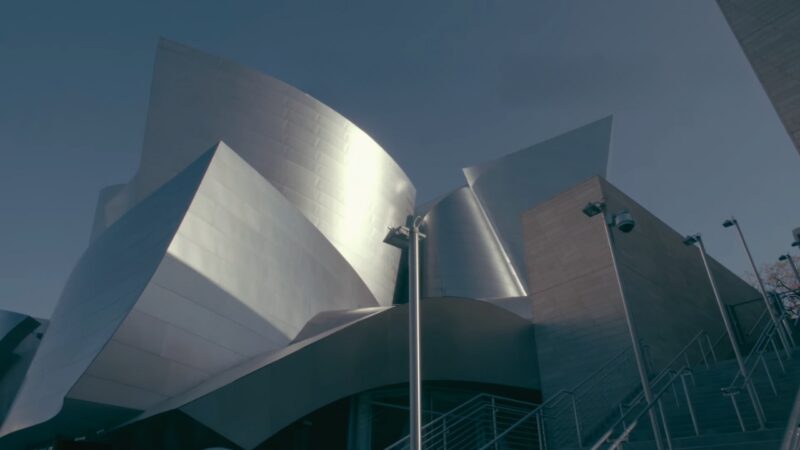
{"x":440,"y":85}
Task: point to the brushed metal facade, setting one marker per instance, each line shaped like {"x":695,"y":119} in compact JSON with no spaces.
{"x":460,"y":256}
{"x":332,"y":171}
{"x":213,"y":269}
{"x":362,"y":350}
{"x":474,"y":246}
{"x":104,"y":285}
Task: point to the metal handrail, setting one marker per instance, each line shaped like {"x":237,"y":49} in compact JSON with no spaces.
{"x":766,"y":339}
{"x":682,"y":355}
{"x":712,"y":346}
{"x":791,"y":437}
{"x":757,"y":351}
{"x":474,"y":402}
{"x":757,"y":322}
{"x":668,"y":368}
{"x":629,"y":427}
{"x":684,"y":369}
{"x":555,"y":400}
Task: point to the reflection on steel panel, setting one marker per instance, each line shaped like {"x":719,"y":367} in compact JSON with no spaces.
{"x":103,"y":287}
{"x":474,"y":245}
{"x":511,"y":185}
{"x":332,"y":171}
{"x":239,"y":276}
{"x":461,"y":256}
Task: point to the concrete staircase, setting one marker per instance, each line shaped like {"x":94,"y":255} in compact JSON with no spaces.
{"x":718,"y":425}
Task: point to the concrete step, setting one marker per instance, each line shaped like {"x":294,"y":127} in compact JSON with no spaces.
{"x":752,"y":440}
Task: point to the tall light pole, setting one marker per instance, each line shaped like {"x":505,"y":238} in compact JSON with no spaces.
{"x":624,"y":222}
{"x":696,"y":239}
{"x":732,"y":222}
{"x":408,"y":237}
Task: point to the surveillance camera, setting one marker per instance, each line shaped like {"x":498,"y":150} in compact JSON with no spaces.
{"x":624,"y":221}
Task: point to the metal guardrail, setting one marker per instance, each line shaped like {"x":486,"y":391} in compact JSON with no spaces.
{"x":791,"y":438}
{"x":569,"y":417}
{"x":677,"y":369}
{"x":667,"y":379}
{"x":627,"y":424}
{"x":486,"y":422}
{"x":740,"y":383}
{"x":471,"y":424}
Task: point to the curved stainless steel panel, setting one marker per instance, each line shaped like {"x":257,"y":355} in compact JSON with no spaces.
{"x":332,"y":171}
{"x":239,"y":276}
{"x":513,"y":184}
{"x":268,"y":393}
{"x":474,"y":244}
{"x":461,"y":256}
{"x":103,"y":287}
{"x":242,"y":276}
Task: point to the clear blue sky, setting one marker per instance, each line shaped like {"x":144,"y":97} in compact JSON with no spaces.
{"x":441,"y":85}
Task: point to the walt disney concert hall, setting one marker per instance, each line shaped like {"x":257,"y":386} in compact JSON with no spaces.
{"x":237,"y":293}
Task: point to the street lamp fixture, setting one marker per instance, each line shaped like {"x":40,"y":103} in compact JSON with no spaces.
{"x":398,"y":237}
{"x":408,"y":237}
{"x":691,"y":239}
{"x":593,"y":208}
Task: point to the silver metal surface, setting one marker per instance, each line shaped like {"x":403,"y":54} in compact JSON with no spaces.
{"x":229,"y":270}
{"x":460,"y":256}
{"x":517,"y":182}
{"x":415,"y":348}
{"x":370,"y":352}
{"x":474,"y":245}
{"x":104,"y":285}
{"x":408,"y":237}
{"x":328,"y":168}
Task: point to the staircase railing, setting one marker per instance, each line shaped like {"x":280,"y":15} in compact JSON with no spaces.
{"x":471,"y":423}
{"x":485,"y":422}
{"x":570,"y":417}
{"x":621,"y":430}
{"x":791,"y":438}
{"x":740,"y":383}
{"x":560,"y":422}
{"x":677,"y":369}
{"x":631,"y":411}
